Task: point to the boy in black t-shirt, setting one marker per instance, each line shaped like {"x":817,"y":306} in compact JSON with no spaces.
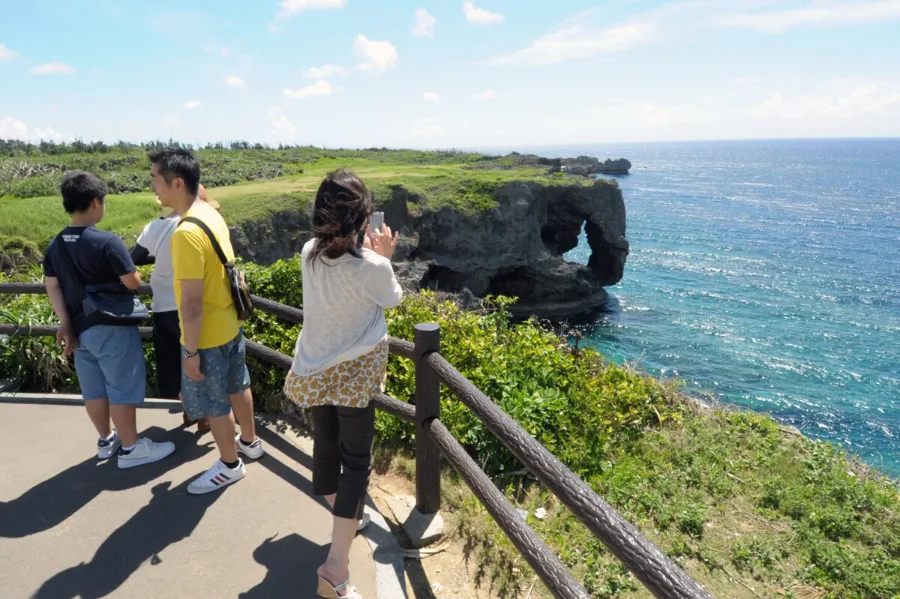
{"x":109,"y":359}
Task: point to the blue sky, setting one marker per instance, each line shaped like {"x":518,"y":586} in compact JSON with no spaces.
{"x":449,"y":73}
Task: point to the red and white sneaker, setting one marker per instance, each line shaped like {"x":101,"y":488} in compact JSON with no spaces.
{"x":217,"y":477}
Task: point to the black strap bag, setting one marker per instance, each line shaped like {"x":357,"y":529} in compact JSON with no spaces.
{"x":240,"y":291}
{"x":110,"y":303}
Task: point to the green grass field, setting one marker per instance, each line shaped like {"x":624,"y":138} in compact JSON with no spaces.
{"x":464,"y":186}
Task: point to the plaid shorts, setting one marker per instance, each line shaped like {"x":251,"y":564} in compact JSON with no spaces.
{"x":225,"y":373}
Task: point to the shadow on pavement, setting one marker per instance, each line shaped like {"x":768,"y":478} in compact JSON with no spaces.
{"x":289,"y":475}
{"x":52,"y":501}
{"x":170,"y":517}
{"x":291,"y":564}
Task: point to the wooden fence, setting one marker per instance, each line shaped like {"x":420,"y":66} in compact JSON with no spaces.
{"x":659,"y":574}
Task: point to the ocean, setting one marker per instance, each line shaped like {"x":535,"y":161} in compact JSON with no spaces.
{"x":766,"y":274}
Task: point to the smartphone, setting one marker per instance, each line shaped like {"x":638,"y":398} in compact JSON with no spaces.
{"x":377,"y":222}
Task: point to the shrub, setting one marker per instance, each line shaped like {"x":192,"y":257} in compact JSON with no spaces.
{"x":35,"y":362}
{"x":18,"y":253}
{"x":713,"y":489}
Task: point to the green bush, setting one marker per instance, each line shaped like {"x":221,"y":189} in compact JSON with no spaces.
{"x":714,"y":489}
{"x":571,"y":401}
{"x":35,"y":362}
{"x":18,"y":253}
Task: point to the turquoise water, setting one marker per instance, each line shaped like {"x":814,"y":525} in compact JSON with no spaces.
{"x":767,"y":274}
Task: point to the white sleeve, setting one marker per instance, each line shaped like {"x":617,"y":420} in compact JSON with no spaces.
{"x":147,"y":238}
{"x":382,"y":287}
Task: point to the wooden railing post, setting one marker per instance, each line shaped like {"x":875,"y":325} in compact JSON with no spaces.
{"x":428,"y":406}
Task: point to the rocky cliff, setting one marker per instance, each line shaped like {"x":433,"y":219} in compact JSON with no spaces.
{"x":588,"y":166}
{"x":514,"y":249}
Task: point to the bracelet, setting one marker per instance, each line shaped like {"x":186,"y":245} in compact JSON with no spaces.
{"x":187,"y":355}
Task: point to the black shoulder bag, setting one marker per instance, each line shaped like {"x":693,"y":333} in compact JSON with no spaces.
{"x":111,"y":303}
{"x":240,"y":291}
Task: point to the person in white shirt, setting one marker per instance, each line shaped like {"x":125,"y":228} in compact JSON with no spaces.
{"x":340,"y":359}
{"x":153,"y":247}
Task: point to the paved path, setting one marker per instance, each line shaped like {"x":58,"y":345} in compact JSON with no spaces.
{"x":71,"y":526}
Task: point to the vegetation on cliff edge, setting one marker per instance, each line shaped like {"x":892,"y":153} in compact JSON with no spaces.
{"x":749,"y":509}
{"x":251,"y":183}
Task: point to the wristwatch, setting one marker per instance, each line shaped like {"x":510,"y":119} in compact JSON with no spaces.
{"x":187,"y":355}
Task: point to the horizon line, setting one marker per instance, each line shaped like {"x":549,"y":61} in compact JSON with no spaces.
{"x":464,"y":148}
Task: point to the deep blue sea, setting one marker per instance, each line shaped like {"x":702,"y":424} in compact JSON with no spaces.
{"x":766,"y":274}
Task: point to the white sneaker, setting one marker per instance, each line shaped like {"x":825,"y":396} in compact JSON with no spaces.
{"x":107,"y":449}
{"x":217,"y":477}
{"x":254,"y":451}
{"x":146,"y":452}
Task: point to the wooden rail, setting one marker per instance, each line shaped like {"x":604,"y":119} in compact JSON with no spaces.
{"x":660,"y":575}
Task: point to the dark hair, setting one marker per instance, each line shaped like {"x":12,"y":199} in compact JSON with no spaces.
{"x":79,"y":189}
{"x":343,"y":204}
{"x":177,"y":162}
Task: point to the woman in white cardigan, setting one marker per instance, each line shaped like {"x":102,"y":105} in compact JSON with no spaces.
{"x":340,"y":359}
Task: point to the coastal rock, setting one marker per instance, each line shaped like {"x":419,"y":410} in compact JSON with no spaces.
{"x":588,"y":165}
{"x":514,"y":249}
{"x":267,"y":241}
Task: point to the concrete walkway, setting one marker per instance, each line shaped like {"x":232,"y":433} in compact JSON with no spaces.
{"x":71,"y":526}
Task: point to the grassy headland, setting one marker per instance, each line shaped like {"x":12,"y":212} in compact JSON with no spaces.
{"x":750,"y":509}
{"x":250,"y":184}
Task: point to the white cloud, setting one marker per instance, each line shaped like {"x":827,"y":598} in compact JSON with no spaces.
{"x":290,"y":8}
{"x":838,"y":99}
{"x":815,"y":13}
{"x":52,"y":68}
{"x":324,"y":72}
{"x":425,"y":23}
{"x":7,"y":54}
{"x":488,"y":94}
{"x":283,"y":128}
{"x":221,"y":50}
{"x":379,"y":56}
{"x":426,"y":130}
{"x":432,"y":97}
{"x":192,"y":104}
{"x":319,"y":88}
{"x":480,"y":16}
{"x":770,"y":106}
{"x":11,"y":128}
{"x":577,"y":39}
{"x":655,"y":115}
{"x":234,"y":81}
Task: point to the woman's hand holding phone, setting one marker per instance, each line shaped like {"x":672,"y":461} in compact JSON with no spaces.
{"x":382,"y":241}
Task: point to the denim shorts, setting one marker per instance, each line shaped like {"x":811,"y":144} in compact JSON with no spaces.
{"x":225,"y":373}
{"x":110,"y":364}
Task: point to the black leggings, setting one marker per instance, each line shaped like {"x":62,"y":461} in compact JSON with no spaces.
{"x":343,"y":437}
{"x":167,"y":346}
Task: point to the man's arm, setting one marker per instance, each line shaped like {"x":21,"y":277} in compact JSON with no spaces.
{"x":54,"y":292}
{"x":188,"y":264}
{"x":191,"y":311}
{"x":120,"y":260}
{"x":132,"y":280}
{"x":66,"y":335}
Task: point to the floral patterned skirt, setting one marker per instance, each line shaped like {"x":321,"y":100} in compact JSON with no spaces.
{"x":351,"y":384}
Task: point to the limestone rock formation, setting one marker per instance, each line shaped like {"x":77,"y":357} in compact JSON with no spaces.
{"x":514,"y":249}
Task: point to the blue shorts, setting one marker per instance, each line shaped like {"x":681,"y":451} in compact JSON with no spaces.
{"x":225,"y":373}
{"x":110,"y":364}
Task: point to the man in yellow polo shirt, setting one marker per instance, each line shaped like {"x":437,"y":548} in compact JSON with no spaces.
{"x":214,"y":376}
